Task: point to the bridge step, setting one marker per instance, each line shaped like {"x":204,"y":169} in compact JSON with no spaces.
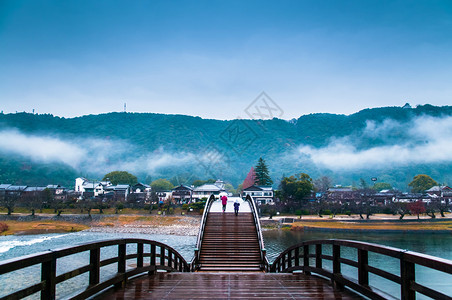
{"x":230,"y":244}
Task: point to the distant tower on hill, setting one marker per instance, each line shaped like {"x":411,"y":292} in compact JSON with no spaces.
{"x":125,"y":107}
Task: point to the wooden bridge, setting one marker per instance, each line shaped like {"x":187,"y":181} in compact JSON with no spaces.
{"x":229,"y":263}
{"x":230,"y":244}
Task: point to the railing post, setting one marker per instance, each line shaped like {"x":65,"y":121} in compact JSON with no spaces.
{"x":407,"y":275}
{"x":48,"y":274}
{"x":121,"y":264}
{"x":297,"y":257}
{"x":318,"y":256}
{"x":170,"y":258}
{"x":152,"y":262}
{"x":162,"y":256}
{"x":306,"y":259}
{"x":195,"y":260}
{"x":337,"y":266}
{"x":140,"y":255}
{"x":289,"y":259}
{"x":283,"y":263}
{"x":94,"y":261}
{"x":363,"y":262}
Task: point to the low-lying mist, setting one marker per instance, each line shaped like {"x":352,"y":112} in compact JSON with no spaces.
{"x":97,"y":157}
{"x":422,"y":140}
{"x":422,"y":143}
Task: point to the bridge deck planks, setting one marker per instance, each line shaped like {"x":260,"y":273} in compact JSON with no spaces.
{"x":227,"y":286}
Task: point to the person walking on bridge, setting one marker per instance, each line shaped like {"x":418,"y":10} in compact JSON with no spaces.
{"x":236,"y":207}
{"x":224,"y":201}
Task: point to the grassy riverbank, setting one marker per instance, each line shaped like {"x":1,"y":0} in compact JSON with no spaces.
{"x":189,"y":225}
{"x":382,"y":223}
{"x":40,"y":227}
{"x":412,"y":226}
{"x":130,"y":223}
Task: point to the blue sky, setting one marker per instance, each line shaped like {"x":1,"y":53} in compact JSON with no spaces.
{"x":213,"y":58}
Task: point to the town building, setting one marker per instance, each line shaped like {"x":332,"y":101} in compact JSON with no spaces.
{"x":182,"y":194}
{"x":261,"y":194}
{"x":442,"y":194}
{"x":91,"y":188}
{"x":205,"y":190}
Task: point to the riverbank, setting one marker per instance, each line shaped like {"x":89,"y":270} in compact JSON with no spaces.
{"x":20,"y":224}
{"x":378,"y":223}
{"x":148,"y":224}
{"x":41,"y":227}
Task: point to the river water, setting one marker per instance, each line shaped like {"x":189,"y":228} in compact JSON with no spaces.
{"x":276,"y":241}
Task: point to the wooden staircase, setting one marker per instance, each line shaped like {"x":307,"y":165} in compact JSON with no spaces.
{"x":230,"y":244}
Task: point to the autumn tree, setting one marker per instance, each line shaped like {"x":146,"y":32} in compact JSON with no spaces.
{"x":121,"y":177}
{"x":261,"y":172}
{"x":422,"y":183}
{"x":417,"y":208}
{"x":249,"y":180}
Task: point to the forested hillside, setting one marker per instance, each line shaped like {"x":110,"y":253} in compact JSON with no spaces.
{"x":390,"y":143}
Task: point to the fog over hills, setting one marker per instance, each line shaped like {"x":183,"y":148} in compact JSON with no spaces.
{"x":390,"y":143}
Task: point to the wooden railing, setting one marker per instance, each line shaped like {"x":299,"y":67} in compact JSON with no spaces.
{"x":195,"y":261}
{"x":161,"y":257}
{"x":298,"y":258}
{"x":263,"y":252}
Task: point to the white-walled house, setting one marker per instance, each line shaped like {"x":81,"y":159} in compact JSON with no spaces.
{"x":83,"y":185}
{"x":261,"y":194}
{"x":205,"y":190}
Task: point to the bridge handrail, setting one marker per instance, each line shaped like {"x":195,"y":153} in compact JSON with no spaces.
{"x":263,"y":251}
{"x":169,"y":260}
{"x":194,"y":262}
{"x":297,"y":258}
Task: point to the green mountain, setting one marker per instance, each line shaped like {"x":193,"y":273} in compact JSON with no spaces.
{"x":390,"y":143}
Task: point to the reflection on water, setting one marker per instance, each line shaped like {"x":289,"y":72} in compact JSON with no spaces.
{"x":276,"y":241}
{"x":15,"y":246}
{"x":439,"y":245}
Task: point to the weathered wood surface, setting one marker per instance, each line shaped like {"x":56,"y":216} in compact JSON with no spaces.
{"x":230,"y":243}
{"x":227,"y":286}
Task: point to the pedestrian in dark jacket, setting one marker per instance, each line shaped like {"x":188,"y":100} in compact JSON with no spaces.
{"x":236,"y":207}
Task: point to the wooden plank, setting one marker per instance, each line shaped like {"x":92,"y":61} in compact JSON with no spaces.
{"x":227,"y":286}
{"x":230,"y":243}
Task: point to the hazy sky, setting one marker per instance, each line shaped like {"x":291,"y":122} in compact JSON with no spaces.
{"x":213,"y":58}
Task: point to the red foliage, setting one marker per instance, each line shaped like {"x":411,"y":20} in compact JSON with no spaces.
{"x":249,"y":180}
{"x":417,"y":208}
{"x":3,"y":227}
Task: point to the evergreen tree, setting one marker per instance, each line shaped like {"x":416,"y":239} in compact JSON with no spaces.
{"x":261,"y":173}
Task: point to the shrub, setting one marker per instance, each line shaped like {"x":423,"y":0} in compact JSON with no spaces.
{"x":198,"y":205}
{"x":3,"y":227}
{"x":327,"y":212}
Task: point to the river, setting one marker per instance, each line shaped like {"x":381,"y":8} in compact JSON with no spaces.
{"x":439,"y":245}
